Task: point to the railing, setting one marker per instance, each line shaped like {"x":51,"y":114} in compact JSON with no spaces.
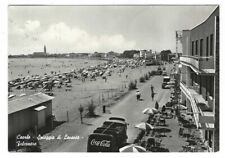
{"x":199,"y":62}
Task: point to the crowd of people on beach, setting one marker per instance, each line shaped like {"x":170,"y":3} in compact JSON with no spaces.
{"x":57,"y":79}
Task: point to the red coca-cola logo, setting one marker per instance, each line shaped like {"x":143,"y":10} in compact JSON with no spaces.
{"x":103,"y":143}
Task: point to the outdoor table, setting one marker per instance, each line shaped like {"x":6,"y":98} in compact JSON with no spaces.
{"x":191,"y":142}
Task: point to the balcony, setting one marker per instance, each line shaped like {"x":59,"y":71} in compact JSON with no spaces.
{"x":199,"y":64}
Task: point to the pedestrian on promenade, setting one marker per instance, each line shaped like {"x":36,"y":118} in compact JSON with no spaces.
{"x":163,"y":108}
{"x":138,"y":95}
{"x":156,"y":105}
{"x":153,"y":94}
{"x":152,"y":89}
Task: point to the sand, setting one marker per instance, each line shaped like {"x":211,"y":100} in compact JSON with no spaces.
{"x":82,"y":93}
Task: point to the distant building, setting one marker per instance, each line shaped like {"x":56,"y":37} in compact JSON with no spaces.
{"x":172,"y":57}
{"x":45,"y":49}
{"x":28,"y":112}
{"x":129,"y":53}
{"x":40,"y":54}
{"x":165,"y":55}
{"x":136,"y":56}
{"x":149,"y":54}
{"x":146,"y":54}
{"x":143,"y":53}
{"x":98,"y":55}
{"x":111,"y":55}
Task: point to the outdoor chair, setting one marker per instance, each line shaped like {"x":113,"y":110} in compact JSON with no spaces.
{"x":150,"y":142}
{"x":162,"y":121}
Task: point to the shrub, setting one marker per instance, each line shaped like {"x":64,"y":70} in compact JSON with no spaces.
{"x":142,"y":79}
{"x":149,"y":74}
{"x":153,"y":73}
{"x":146,"y":77}
{"x":135,"y":81}
{"x":132,"y":85}
{"x":91,"y":109}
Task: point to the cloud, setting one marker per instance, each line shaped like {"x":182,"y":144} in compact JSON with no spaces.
{"x":31,"y":25}
{"x":28,"y":27}
{"x":62,"y":37}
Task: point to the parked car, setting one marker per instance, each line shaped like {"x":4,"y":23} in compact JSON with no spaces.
{"x":159,"y":71}
{"x":166,"y":80}
{"x":164,"y":73}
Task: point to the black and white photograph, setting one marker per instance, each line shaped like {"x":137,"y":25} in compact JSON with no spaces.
{"x":113,"y":78}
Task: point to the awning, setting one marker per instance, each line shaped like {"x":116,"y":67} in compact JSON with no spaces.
{"x":199,"y":99}
{"x":192,"y":67}
{"x":189,"y":94}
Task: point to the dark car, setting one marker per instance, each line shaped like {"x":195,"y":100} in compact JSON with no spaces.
{"x":166,"y":80}
{"x":159,"y":71}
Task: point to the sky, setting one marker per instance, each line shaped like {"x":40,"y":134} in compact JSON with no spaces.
{"x":86,"y":29}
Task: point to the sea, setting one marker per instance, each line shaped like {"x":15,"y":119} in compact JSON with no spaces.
{"x":23,"y":67}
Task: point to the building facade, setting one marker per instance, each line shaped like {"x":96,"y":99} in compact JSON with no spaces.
{"x":28,"y":112}
{"x":200,"y":77}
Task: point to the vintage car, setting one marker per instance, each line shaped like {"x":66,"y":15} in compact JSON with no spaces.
{"x":166,"y":80}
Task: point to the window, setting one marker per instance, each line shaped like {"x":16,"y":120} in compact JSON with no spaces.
{"x":192,"y":48}
{"x":207,"y":46}
{"x":211,"y":45}
{"x":201,"y":47}
{"x":196,"y":47}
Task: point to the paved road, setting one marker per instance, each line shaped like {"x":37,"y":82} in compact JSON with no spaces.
{"x":128,"y":107}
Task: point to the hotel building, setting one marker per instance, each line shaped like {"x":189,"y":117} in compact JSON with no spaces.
{"x":199,"y":81}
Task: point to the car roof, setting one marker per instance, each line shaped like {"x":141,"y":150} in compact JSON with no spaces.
{"x":117,"y":118}
{"x":115,"y":121}
{"x":166,"y":77}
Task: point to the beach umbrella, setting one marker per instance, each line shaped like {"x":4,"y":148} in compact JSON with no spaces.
{"x":149,"y":111}
{"x":56,"y":82}
{"x":144,"y":126}
{"x":188,"y":117}
{"x":181,"y":107}
{"x":23,"y":94}
{"x":11,"y":96}
{"x":132,"y":148}
{"x":155,"y":110}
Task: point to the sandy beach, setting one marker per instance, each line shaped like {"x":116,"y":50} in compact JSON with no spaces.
{"x":81,"y":93}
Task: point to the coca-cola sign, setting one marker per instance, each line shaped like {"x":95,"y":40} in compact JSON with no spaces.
{"x":102,"y":143}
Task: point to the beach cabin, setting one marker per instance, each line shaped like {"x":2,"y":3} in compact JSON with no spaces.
{"x":27,"y":113}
